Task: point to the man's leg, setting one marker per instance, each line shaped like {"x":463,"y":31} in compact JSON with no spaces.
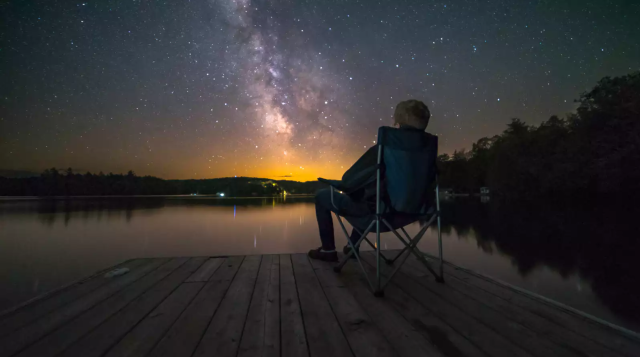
{"x":344,"y":205}
{"x":325,"y":221}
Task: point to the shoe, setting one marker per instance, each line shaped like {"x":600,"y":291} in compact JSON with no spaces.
{"x":347,"y":249}
{"x":325,"y":256}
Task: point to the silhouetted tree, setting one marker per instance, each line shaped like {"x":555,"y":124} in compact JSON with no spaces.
{"x":595,"y":150}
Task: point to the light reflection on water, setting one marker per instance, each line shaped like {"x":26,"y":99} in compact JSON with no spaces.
{"x":46,"y":244}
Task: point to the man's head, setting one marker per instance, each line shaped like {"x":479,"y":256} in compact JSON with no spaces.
{"x":412,"y":113}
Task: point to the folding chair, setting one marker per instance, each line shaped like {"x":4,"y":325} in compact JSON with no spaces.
{"x":406,"y":173}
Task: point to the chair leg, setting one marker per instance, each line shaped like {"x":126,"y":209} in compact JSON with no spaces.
{"x":353,"y":246}
{"x":426,"y":263}
{"x":378,"y":291}
{"x":373,"y":246}
{"x":353,"y":251}
{"x":440,"y":277}
{"x":412,"y":247}
{"x":392,"y":261}
{"x":407,"y":245}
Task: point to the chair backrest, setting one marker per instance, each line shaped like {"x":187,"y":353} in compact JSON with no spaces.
{"x":409,"y":162}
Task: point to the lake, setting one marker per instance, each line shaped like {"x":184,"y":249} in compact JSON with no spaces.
{"x":583,"y":255}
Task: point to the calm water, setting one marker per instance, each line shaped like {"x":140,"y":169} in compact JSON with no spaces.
{"x":582,"y":255}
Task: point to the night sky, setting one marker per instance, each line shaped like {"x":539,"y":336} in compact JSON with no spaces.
{"x":296,"y":89}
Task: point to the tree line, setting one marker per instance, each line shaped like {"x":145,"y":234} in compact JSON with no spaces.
{"x":53,"y":182}
{"x":595,"y":150}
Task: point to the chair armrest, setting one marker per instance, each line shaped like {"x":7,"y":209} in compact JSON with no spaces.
{"x":337,"y":184}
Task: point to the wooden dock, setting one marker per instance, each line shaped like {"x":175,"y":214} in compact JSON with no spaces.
{"x":287,"y":305}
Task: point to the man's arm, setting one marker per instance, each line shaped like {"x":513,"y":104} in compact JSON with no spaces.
{"x":362,"y":172}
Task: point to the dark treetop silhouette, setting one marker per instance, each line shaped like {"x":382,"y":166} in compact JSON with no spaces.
{"x":53,"y":183}
{"x":595,"y":150}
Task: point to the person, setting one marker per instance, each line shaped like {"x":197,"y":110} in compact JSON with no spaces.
{"x":359,"y":184}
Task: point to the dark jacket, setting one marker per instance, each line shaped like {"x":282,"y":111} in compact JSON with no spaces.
{"x":408,"y":172}
{"x":359,"y":181}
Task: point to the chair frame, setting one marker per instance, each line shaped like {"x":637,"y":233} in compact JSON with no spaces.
{"x":410,"y":243}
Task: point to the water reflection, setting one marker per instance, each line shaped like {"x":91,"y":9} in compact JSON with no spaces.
{"x":580,"y":254}
{"x":48,"y":243}
{"x":50,"y":211}
{"x":597,"y":241}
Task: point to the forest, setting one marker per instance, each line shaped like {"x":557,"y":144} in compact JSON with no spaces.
{"x":594,"y":151}
{"x":53,"y":182}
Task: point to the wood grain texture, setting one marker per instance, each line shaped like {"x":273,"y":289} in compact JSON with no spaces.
{"x":405,"y":338}
{"x":364,"y":336}
{"x":272,"y":346}
{"x":140,"y":340}
{"x":102,"y":338}
{"x":18,"y":318}
{"x":555,"y":318}
{"x":564,"y":338}
{"x":294,"y":340}
{"x":206,"y":270}
{"x":488,"y":340}
{"x":223,"y":335}
{"x":435,"y":330}
{"x":29,"y":334}
{"x":185,"y":334}
{"x":492,"y":317}
{"x":288,"y":305}
{"x":70,"y":333}
{"x":253,"y":341}
{"x":323,"y":331}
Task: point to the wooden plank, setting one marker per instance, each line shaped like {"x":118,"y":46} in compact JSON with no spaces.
{"x":145,"y":335}
{"x":490,"y":341}
{"x":104,"y":336}
{"x":406,"y":340}
{"x":590,"y":329}
{"x":69,"y":333}
{"x":185,"y":334}
{"x":26,"y":314}
{"x":294,"y":340}
{"x":253,"y":341}
{"x":528,"y":339}
{"x":222,"y":338}
{"x":27,"y":335}
{"x":206,"y":270}
{"x":434,"y":330}
{"x":362,"y":333}
{"x":31,"y":302}
{"x":272,"y":312}
{"x":565,"y":338}
{"x":324,"y":335}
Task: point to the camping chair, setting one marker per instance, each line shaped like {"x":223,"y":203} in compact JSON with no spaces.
{"x":406,"y":173}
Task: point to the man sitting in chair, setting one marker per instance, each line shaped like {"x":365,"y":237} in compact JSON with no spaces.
{"x":359,"y":183}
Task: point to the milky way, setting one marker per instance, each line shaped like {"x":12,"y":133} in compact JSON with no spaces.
{"x":289,"y":100}
{"x":276,"y":89}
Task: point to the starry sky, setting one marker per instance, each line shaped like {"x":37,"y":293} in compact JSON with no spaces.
{"x":283,"y":88}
